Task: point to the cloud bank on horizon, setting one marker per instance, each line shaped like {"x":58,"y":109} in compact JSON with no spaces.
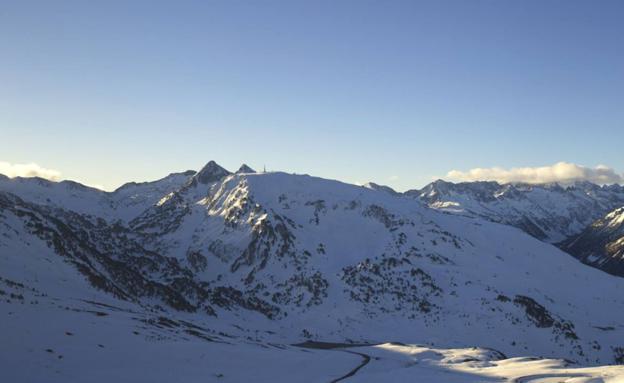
{"x":562,"y":172}
{"x":28,"y":170}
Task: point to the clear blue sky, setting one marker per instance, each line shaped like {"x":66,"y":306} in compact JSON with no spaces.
{"x":395,"y":92}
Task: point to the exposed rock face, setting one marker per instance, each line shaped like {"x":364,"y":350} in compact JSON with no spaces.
{"x":601,"y":244}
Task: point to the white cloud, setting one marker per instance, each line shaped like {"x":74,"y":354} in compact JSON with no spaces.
{"x":563,"y":172}
{"x":28,"y":170}
{"x":393,"y":178}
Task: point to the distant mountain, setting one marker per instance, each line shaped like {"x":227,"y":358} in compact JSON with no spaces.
{"x":601,"y":244}
{"x":549,"y":212}
{"x":281,"y":257}
{"x":124,"y":203}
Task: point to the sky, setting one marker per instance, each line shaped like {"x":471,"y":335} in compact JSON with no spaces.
{"x":394,"y":92}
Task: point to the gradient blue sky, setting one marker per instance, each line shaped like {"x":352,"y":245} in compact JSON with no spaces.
{"x":395,"y":92}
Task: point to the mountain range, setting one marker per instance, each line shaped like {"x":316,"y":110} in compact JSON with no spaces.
{"x":266,"y":261}
{"x":549,"y":212}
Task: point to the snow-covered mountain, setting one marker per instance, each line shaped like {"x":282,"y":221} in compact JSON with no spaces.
{"x":123,"y":204}
{"x":601,"y":244}
{"x":549,"y":212}
{"x":276,"y":258}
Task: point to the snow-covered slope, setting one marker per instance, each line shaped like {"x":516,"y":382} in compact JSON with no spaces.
{"x":66,"y":194}
{"x":384,"y":188}
{"x":549,"y":212}
{"x":83,"y":341}
{"x":130,"y":199}
{"x":281,"y":258}
{"x":102,"y":340}
{"x":601,"y":244}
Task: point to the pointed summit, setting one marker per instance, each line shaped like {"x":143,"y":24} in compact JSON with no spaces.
{"x":245,"y":169}
{"x":212,"y":172}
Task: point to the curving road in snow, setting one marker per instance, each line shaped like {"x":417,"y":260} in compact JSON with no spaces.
{"x":365,"y":360}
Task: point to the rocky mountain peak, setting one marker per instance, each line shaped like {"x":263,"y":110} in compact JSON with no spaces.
{"x":245,"y":169}
{"x":212,"y":172}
